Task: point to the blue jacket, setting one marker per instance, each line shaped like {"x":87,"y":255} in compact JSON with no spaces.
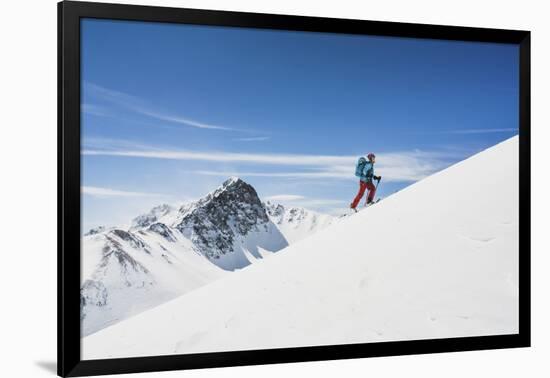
{"x":368,"y":172}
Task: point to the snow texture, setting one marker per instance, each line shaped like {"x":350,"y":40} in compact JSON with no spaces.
{"x":436,"y":260}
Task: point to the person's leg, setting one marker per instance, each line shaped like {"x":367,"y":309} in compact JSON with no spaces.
{"x":372,"y":191}
{"x":362,"y":187}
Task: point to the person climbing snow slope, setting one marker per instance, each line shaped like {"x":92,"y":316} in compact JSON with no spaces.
{"x":365,"y":171}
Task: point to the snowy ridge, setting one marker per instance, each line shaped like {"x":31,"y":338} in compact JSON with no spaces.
{"x":159,"y":213}
{"x":171,"y":251}
{"x":297,"y":223}
{"x":399,"y":270}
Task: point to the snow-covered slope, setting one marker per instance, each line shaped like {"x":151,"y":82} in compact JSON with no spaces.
{"x":171,"y":251}
{"x":438,"y":259}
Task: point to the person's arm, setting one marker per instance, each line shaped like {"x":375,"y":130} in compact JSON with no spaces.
{"x":368,"y":171}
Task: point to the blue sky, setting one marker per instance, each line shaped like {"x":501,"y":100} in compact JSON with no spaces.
{"x":170,"y":111}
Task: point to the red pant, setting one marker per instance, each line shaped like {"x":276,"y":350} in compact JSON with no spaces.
{"x":362,"y":187}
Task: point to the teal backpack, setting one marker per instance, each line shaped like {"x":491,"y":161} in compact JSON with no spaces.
{"x":360,"y":166}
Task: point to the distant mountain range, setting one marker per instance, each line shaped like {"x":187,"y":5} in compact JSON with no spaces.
{"x":170,"y":251}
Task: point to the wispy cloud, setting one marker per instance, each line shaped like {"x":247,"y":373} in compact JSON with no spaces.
{"x":481,"y":131}
{"x":406,"y":166}
{"x":336,"y":173}
{"x":140,"y":106}
{"x":95,"y":191}
{"x":398,"y":167}
{"x":252,"y":139}
{"x":297,"y":174}
{"x":181,"y":120}
{"x":220,"y":156}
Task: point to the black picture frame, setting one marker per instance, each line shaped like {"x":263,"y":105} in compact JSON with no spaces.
{"x":69,"y":15}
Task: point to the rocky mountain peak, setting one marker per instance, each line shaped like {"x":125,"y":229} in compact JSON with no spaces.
{"x":236,"y":186}
{"x":232,"y":210}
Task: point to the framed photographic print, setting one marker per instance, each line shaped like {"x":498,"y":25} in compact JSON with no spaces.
{"x":239,"y":188}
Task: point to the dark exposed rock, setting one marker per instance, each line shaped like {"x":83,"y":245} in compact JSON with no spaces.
{"x":275,"y":211}
{"x":165,"y":257}
{"x":215,"y":221}
{"x":93,"y":292}
{"x":162,"y":230}
{"x":133,"y":240}
{"x":279,"y":214}
{"x":95,"y":231}
{"x":127,"y":263}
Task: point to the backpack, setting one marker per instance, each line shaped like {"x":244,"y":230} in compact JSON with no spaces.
{"x":360,"y":166}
